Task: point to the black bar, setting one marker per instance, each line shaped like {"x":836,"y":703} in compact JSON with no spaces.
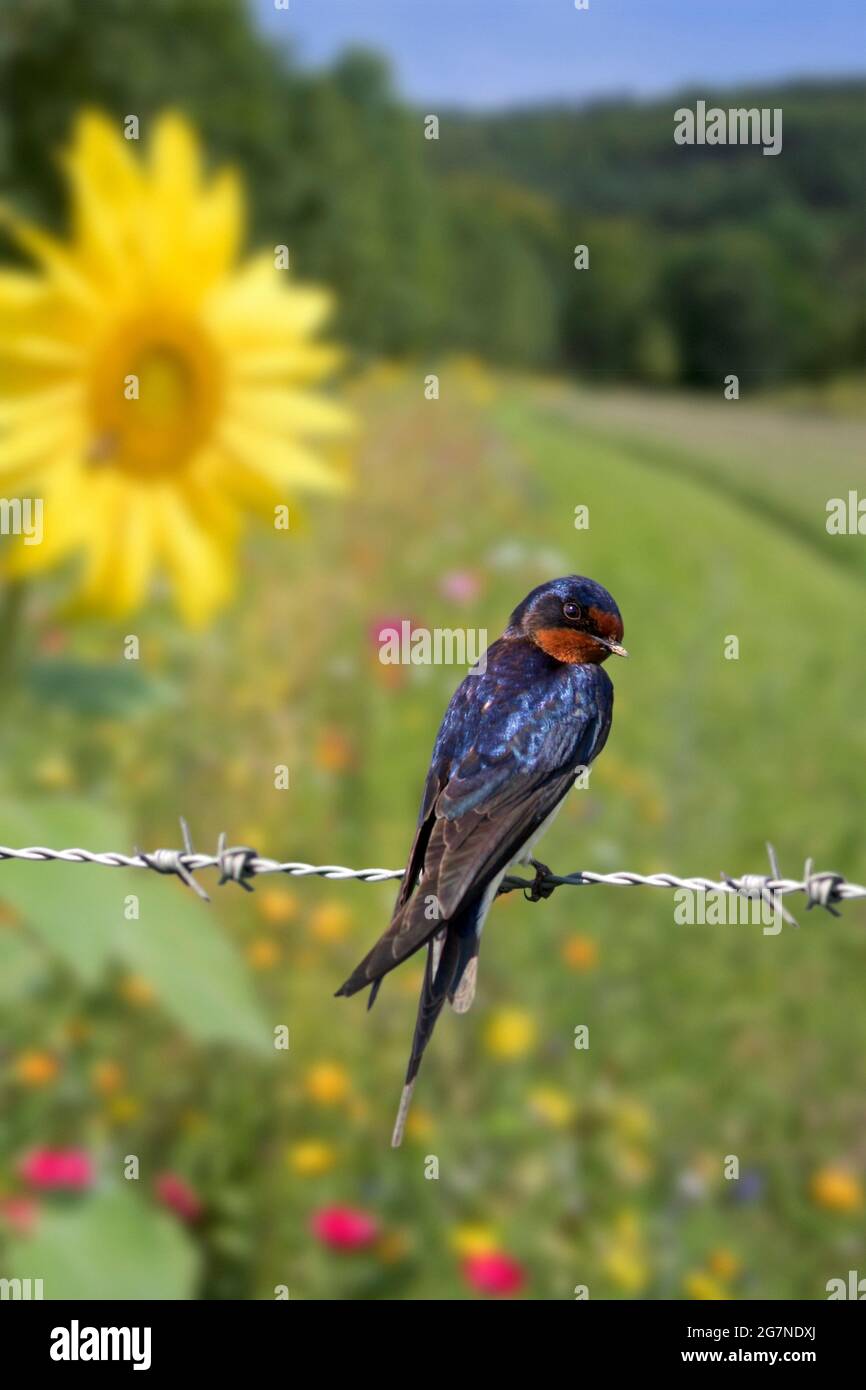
{"x":228,"y":1338}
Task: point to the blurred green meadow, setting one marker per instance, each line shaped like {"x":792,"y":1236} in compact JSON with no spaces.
{"x":601,"y":1167}
{"x":187,"y":1111}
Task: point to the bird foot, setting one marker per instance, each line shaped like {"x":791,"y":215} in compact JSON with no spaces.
{"x":541,"y":887}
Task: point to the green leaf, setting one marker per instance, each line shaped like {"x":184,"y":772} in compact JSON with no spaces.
{"x":22,"y":965}
{"x":198,"y":975}
{"x":97,"y":691}
{"x":110,"y":1246}
{"x":77,"y":910}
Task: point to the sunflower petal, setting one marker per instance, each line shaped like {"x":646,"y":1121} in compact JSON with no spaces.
{"x":298,"y":412}
{"x":279,"y":462}
{"x":196,"y":564}
{"x":107,"y":189}
{"x":62,"y":268}
{"x":119,"y":550}
{"x":40,"y":406}
{"x":258,"y":302}
{"x":35,"y":445}
{"x":61,"y":523}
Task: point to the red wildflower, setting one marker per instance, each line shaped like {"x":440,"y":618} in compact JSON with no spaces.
{"x":175,"y":1193}
{"x":344,"y":1228}
{"x":493,"y":1273}
{"x":58,"y":1169}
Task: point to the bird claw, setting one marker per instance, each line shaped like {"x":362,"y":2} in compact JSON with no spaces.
{"x":541,"y":886}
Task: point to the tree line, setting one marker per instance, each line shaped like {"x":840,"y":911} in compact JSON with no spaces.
{"x":699,"y":261}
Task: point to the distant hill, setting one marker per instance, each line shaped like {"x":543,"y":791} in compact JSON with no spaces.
{"x":703,"y":262}
{"x":618,"y":158}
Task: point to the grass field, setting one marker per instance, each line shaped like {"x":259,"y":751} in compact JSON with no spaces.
{"x":602,"y":1167}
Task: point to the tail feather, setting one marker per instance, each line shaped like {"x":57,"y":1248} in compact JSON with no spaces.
{"x":402,"y":1115}
{"x":409,"y":930}
{"x":462,"y":997}
{"x":438,"y":983}
{"x":462,"y":991}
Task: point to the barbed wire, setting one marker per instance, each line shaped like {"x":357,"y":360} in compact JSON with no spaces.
{"x":241,"y":863}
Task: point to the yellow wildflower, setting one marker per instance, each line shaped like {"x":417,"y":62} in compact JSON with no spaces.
{"x":836,"y":1189}
{"x":330,"y":921}
{"x":263,"y":954}
{"x":724,"y":1264}
{"x":419,"y":1124}
{"x":627,"y":1268}
{"x":134,"y":989}
{"x":311,"y":1157}
{"x":624,"y":1259}
{"x":276,"y":906}
{"x":510,"y":1034}
{"x":473,"y":1240}
{"x":555,"y":1107}
{"x":632,"y":1120}
{"x":36,"y":1068}
{"x":326,"y":1083}
{"x":702,"y":1286}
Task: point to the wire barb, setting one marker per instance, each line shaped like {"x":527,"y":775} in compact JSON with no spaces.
{"x":173,"y":861}
{"x":823,"y":890}
{"x":235,"y":862}
{"x":761,"y":886}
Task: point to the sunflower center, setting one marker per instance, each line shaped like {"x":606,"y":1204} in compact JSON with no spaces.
{"x":154,"y":390}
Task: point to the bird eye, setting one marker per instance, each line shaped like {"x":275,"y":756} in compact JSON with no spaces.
{"x":571,"y":610}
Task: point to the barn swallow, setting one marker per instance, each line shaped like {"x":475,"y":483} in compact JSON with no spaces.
{"x":518,"y":731}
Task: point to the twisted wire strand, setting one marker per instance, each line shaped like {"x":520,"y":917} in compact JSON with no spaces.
{"x":165,"y":860}
{"x":241,"y":863}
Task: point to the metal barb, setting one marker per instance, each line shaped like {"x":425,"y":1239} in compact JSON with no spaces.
{"x":822,"y":890}
{"x":171,"y":861}
{"x":234,"y":863}
{"x":763,"y":886}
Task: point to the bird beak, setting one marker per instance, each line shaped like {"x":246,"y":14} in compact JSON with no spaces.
{"x":612,"y":646}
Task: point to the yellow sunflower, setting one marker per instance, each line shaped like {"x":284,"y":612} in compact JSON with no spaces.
{"x":153,"y":390}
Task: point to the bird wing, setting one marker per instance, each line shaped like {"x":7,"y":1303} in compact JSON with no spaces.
{"x":494,"y":779}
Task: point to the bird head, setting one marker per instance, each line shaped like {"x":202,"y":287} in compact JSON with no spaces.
{"x":572,"y":619}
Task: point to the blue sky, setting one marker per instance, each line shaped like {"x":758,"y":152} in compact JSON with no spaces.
{"x":491,"y":53}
